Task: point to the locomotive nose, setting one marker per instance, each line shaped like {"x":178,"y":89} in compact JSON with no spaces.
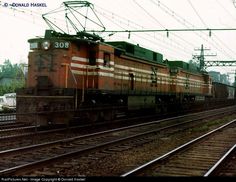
{"x":44,"y":86}
{"x":43,"y":82}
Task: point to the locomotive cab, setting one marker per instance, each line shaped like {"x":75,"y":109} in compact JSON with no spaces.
{"x":66,"y":72}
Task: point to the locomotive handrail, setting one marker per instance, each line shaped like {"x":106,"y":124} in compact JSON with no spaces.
{"x":76,"y":90}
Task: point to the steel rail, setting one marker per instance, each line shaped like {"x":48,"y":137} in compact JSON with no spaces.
{"x":172,"y":152}
{"x":78,"y":151}
{"x":220,"y":161}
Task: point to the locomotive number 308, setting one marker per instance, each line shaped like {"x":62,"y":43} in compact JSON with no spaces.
{"x":61,"y":45}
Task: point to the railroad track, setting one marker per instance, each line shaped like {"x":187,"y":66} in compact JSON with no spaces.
{"x":19,"y":161}
{"x":17,"y":131}
{"x":20,"y":137}
{"x":10,"y":125}
{"x":225,"y":166}
{"x":193,"y":158}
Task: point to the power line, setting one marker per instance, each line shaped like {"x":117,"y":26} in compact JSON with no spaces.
{"x":138,"y":35}
{"x":166,"y":30}
{"x":156,"y":20}
{"x":115,"y":19}
{"x":149,"y":14}
{"x":189,"y":1}
{"x":187,"y":24}
{"x":223,"y":7}
{"x":169,"y":30}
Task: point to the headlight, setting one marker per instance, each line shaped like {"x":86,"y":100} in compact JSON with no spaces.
{"x":46,"y":45}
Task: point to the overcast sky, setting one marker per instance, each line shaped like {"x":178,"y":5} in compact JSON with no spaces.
{"x":20,"y":24}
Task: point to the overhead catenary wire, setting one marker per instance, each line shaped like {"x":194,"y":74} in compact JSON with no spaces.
{"x":112,"y":18}
{"x":159,"y":23}
{"x":125,"y":21}
{"x":57,"y":10}
{"x":166,"y":30}
{"x":144,"y":38}
{"x":190,"y":26}
{"x":194,"y":9}
{"x":227,"y":11}
{"x":189,"y":29}
{"x":142,"y":30}
{"x":219,"y":44}
{"x":156,"y":20}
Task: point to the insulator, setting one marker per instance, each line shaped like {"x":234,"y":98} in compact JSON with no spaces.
{"x":210,"y":33}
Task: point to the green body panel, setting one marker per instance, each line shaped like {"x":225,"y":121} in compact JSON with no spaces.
{"x":137,"y":51}
{"x":183,"y":65}
{"x":179,"y":64}
{"x":193,"y":68}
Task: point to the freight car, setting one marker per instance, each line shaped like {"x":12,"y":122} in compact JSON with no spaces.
{"x":82,"y":74}
{"x":223,"y":91}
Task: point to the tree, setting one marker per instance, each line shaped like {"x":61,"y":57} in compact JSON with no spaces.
{"x":15,"y":76}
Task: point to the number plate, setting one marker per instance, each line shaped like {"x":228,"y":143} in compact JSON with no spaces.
{"x":61,"y":45}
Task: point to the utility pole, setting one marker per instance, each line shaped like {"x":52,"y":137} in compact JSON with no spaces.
{"x":201,"y":57}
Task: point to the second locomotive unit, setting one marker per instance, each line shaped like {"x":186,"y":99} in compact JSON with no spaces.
{"x":71,"y":74}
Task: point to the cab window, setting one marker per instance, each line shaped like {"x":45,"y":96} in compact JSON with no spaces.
{"x":92,"y":58}
{"x":106,"y":59}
